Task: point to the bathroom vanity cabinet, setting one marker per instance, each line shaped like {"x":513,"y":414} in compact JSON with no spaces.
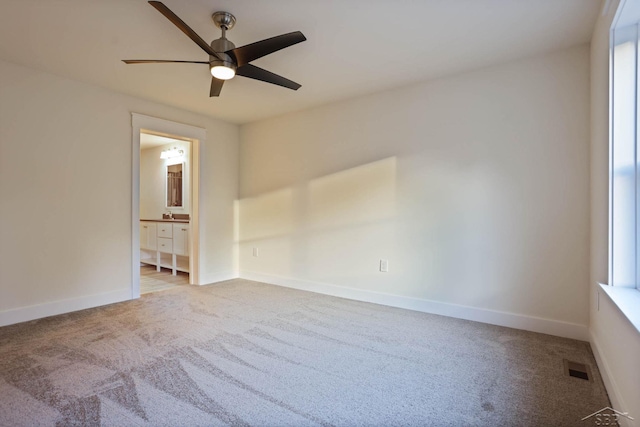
{"x":165,"y":244}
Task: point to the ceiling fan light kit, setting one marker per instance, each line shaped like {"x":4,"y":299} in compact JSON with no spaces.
{"x":225,"y":60}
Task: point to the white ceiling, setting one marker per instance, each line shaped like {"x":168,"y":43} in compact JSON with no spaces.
{"x":151,"y":141}
{"x":354,"y":47}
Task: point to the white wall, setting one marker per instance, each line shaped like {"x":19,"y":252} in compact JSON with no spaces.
{"x":615,"y":341}
{"x":474,"y":187}
{"x":65,"y":181}
{"x":153,"y":185}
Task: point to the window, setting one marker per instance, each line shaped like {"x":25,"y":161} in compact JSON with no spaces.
{"x":624,"y":156}
{"x":624,"y":164}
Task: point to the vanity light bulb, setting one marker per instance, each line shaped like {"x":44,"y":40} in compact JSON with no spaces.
{"x":170,"y":154}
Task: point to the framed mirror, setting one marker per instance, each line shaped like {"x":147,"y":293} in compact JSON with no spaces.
{"x":175,"y":185}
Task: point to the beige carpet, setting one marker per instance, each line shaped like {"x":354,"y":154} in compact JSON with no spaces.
{"x":245,"y":353}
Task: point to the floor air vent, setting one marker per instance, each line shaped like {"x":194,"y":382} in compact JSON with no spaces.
{"x":577,"y":370}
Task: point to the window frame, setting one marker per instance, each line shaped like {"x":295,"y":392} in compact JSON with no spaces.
{"x":620,"y":258}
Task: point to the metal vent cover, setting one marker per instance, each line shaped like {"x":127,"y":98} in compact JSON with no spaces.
{"x":577,"y":370}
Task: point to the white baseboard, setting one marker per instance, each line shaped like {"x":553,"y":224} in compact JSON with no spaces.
{"x":609,"y":381}
{"x":518,"y":321}
{"x":511,"y":320}
{"x":217,"y":277}
{"x":24,"y":314}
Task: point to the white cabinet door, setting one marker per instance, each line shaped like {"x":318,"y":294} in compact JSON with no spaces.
{"x":181,"y":239}
{"x":148,"y":235}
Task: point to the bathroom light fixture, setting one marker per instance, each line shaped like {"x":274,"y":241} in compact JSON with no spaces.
{"x":170,"y":154}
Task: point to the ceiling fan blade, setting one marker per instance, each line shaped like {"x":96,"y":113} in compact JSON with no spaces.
{"x":257,"y":73}
{"x":184,"y":27}
{"x":245,"y":54}
{"x":159,"y":61}
{"x":216,"y":87}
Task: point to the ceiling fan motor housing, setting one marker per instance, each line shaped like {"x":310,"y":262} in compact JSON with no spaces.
{"x":220,"y":46}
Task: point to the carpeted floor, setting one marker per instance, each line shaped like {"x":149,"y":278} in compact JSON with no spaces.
{"x":246,"y":353}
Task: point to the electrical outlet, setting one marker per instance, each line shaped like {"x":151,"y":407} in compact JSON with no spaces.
{"x":384,"y":265}
{"x":255,"y":252}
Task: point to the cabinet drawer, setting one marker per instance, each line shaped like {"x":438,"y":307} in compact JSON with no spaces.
{"x":165,"y":245}
{"x":165,"y":230}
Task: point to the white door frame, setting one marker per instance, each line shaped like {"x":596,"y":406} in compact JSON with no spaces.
{"x":140,"y":122}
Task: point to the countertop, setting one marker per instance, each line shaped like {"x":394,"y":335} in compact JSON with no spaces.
{"x":183,"y":221}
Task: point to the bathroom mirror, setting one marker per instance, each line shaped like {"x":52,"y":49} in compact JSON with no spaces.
{"x":175,"y":185}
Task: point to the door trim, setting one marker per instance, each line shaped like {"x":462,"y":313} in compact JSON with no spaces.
{"x":197,"y":136}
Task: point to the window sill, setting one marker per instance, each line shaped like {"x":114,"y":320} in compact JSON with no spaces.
{"x":627,"y":300}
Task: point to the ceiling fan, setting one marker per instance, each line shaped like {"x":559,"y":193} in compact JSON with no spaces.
{"x":226,"y":60}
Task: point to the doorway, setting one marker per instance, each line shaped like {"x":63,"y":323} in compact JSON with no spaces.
{"x":165,"y":211}
{"x":165,"y":200}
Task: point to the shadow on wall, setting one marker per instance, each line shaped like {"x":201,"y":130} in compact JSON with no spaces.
{"x":467,"y":234}
{"x":300,"y":231}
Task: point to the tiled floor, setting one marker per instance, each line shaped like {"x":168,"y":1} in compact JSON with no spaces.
{"x":152,"y":280}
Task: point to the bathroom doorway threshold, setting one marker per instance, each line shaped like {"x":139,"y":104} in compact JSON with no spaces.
{"x":152,"y":280}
